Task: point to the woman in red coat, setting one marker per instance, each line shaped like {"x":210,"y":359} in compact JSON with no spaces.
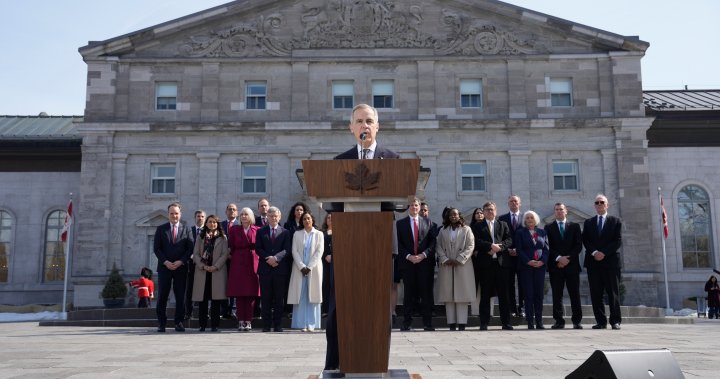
{"x":243,"y":282}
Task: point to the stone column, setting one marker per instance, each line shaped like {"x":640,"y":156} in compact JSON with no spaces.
{"x":519,"y":176}
{"x":117,"y":217}
{"x":426,"y":90}
{"x":516,"y":89}
{"x":300,"y":88}
{"x":207,"y":181}
{"x":209,"y":111}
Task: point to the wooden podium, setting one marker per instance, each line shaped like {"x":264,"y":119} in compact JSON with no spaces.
{"x":362,"y":250}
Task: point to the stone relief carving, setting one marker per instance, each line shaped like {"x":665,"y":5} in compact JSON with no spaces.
{"x":360,"y":24}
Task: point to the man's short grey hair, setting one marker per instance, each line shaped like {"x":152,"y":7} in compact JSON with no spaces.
{"x":274,"y":209}
{"x":364,"y":106}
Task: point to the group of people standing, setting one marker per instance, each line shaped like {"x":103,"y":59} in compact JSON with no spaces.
{"x":242,"y":259}
{"x":485,"y":258}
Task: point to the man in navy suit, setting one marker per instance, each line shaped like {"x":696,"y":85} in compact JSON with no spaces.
{"x":602,"y":237}
{"x":194,"y":232}
{"x":363,"y":122}
{"x":492,"y":265}
{"x":261,"y":218}
{"x":172,"y":246}
{"x":273,"y":245}
{"x":565,"y":239}
{"x":416,"y":246}
{"x":514,"y":221}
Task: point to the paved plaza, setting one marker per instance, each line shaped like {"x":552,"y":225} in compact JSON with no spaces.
{"x":31,"y":351}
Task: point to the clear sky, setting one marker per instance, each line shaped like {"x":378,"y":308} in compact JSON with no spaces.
{"x":42,"y":71}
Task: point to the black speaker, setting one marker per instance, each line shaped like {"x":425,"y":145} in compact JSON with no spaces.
{"x":630,"y":364}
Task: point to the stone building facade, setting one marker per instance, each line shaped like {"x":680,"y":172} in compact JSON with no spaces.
{"x":223,"y":105}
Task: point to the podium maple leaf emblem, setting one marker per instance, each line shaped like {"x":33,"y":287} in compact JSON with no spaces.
{"x":361,"y":179}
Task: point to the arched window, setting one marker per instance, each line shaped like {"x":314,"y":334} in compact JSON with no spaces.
{"x":6,"y":224}
{"x":695,"y":227}
{"x":54,"y":267}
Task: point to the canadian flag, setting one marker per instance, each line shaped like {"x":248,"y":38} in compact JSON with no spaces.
{"x":68,"y":222}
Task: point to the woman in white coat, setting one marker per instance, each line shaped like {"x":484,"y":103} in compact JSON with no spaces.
{"x":305,"y":291}
{"x":456,"y":277}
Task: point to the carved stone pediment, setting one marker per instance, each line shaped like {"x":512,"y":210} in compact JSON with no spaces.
{"x":354,"y":24}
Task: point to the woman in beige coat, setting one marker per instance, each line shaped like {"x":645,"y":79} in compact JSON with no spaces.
{"x":307,"y":275}
{"x":456,"y":277}
{"x":210,"y":280}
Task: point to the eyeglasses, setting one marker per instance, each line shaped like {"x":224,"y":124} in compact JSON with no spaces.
{"x":599,"y":202}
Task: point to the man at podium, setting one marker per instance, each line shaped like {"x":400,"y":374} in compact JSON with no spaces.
{"x":364,"y":126}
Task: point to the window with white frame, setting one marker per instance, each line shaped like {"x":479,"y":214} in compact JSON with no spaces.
{"x":565,"y":175}
{"x":6,"y":225}
{"x":382,"y":92}
{"x":342,"y":92}
{"x":561,"y":92}
{"x":162,"y":178}
{"x":696,"y":228}
{"x":256,"y":95}
{"x":473,"y":176}
{"x":470,"y":93}
{"x":165,"y":96}
{"x":54,"y":262}
{"x":254,"y":177}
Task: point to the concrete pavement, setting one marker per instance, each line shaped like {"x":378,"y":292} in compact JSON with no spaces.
{"x":30,"y":351}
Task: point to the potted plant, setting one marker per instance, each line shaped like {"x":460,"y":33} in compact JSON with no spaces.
{"x":115,"y":290}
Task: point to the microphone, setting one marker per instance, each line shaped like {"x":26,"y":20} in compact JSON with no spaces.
{"x":363,"y":136}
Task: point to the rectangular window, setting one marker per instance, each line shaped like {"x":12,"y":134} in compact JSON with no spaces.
{"x":561,"y":92}
{"x":254,"y":176}
{"x":163,"y":179}
{"x":342,"y":94}
{"x":473,"y":176}
{"x":565,"y":175}
{"x":256,"y":95}
{"x":6,"y":224}
{"x":470,"y":93}
{"x":382,"y":91}
{"x":165,"y":96}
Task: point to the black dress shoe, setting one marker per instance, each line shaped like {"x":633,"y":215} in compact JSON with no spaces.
{"x":531,"y":326}
{"x":429,"y":329}
{"x":599,"y":326}
{"x":266,"y":330}
{"x":278,"y":330}
{"x":461,"y":327}
{"x":577,"y":326}
{"x":507,"y":327}
{"x":483,"y":326}
{"x":161,"y":329}
{"x":558,"y":325}
{"x":405,"y":328}
{"x":179,"y":327}
{"x":453,"y":326}
{"x":214,"y":330}
{"x":202,"y":329}
{"x":539,"y":325}
{"x":616,"y":326}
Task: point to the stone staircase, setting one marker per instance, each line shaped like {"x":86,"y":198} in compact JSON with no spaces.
{"x":146,"y":318}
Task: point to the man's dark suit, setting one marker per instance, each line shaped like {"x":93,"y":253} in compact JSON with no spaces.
{"x":167,"y":250}
{"x":516,"y":303}
{"x":493,"y":274}
{"x":417,"y":278}
{"x":567,"y":244}
{"x":194,"y":231}
{"x":273,"y":280}
{"x":259,"y":221}
{"x":332,"y":353}
{"x":604,"y":275}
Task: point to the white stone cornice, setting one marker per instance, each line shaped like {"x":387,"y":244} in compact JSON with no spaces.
{"x":86,"y":127}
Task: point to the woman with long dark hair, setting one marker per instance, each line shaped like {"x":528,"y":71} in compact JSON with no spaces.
{"x":210,"y":255}
{"x":293,"y":222}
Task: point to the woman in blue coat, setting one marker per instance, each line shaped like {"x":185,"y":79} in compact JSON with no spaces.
{"x":532,"y":247}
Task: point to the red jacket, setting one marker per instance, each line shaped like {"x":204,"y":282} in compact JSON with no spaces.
{"x":145,"y":287}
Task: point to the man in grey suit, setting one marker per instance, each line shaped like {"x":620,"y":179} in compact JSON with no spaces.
{"x":172,"y":246}
{"x":565,"y":240}
{"x":602,"y":237}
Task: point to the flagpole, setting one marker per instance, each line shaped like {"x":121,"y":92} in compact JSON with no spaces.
{"x":68,"y":246}
{"x":668,"y":310}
